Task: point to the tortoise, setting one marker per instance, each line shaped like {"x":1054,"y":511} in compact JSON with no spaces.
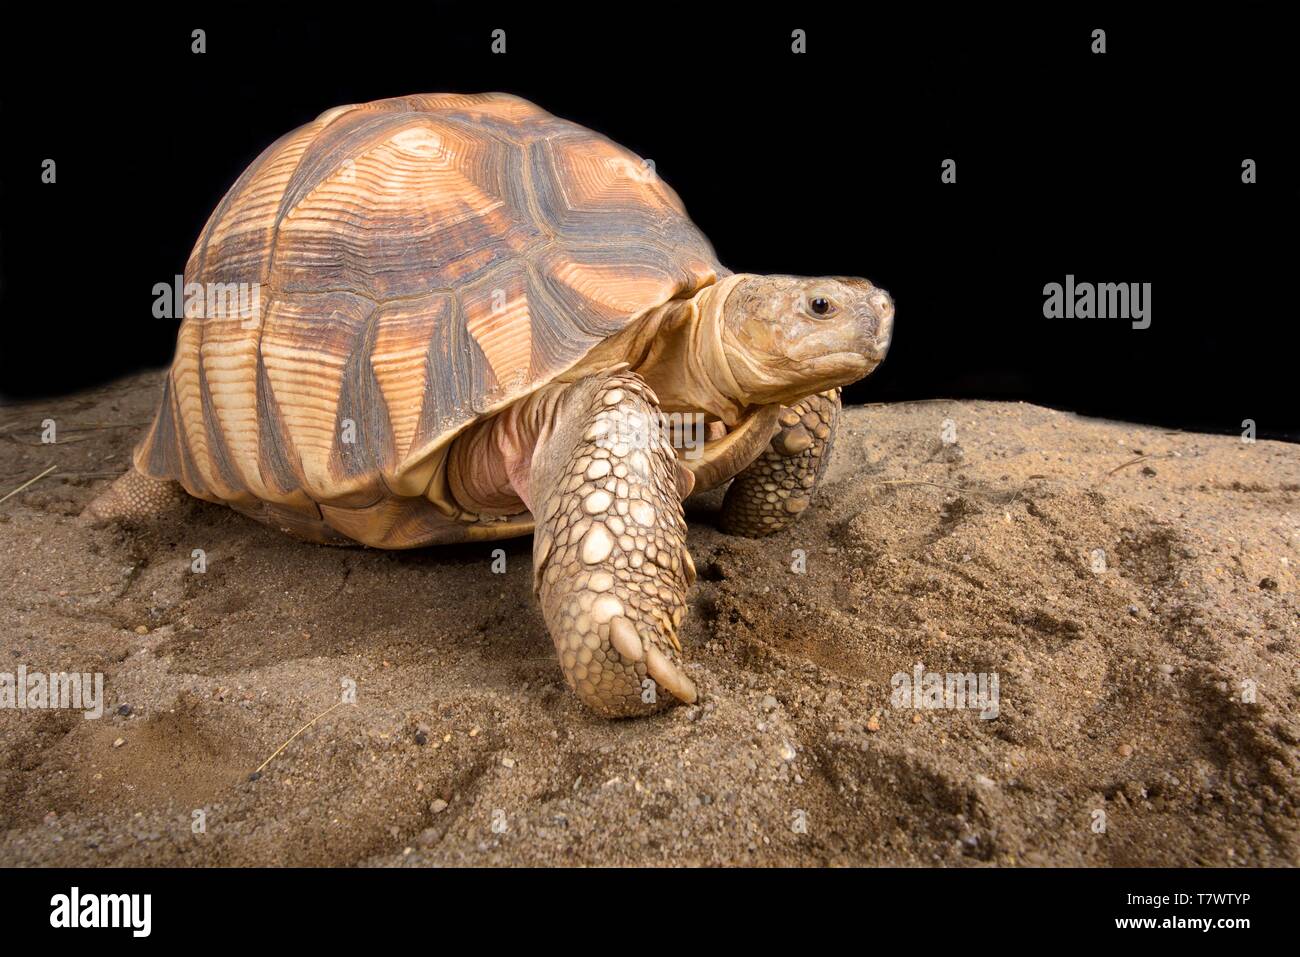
{"x":472,"y":320}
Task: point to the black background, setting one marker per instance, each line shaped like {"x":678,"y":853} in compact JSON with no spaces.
{"x":1122,"y":167}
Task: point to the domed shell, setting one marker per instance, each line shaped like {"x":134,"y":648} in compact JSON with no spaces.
{"x":385,"y":274}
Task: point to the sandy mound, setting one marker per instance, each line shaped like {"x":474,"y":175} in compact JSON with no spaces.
{"x":1146,"y":713}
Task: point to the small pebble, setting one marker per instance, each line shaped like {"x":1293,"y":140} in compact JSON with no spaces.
{"x":141,"y":630}
{"x":124,"y":710}
{"x":1125,"y":750}
{"x":119,"y":742}
{"x":1268,"y":583}
{"x":438,"y":806}
{"x":508,"y":762}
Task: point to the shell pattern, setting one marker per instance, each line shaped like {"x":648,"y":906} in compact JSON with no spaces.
{"x":413,"y":263}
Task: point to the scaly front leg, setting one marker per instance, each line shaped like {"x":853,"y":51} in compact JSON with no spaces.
{"x":778,"y":485}
{"x":609,"y":554}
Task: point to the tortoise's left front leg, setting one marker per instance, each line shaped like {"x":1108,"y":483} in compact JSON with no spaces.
{"x":778,"y":485}
{"x":611,"y":567}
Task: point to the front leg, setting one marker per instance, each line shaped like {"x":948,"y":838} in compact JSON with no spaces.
{"x":778,"y":485}
{"x":609,"y":554}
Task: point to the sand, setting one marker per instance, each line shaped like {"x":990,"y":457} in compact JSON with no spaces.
{"x":1147,"y":709}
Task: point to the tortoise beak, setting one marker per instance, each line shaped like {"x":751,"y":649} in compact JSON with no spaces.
{"x":877,"y":321}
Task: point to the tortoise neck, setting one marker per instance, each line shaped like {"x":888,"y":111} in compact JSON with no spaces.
{"x":687,"y":365}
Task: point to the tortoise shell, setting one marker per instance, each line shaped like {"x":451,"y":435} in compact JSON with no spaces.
{"x":416,"y":263}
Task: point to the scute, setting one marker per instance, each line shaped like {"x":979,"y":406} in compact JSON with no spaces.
{"x":418,"y":262}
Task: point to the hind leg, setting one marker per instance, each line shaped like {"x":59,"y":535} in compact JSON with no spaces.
{"x":774,"y":490}
{"x":132,"y":498}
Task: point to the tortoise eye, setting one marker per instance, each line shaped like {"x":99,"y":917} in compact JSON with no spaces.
{"x":820,"y":306}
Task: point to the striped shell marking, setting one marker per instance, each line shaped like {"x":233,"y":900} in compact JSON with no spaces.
{"x":414,"y":263}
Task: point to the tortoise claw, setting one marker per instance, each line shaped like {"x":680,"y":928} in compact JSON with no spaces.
{"x":792,"y":441}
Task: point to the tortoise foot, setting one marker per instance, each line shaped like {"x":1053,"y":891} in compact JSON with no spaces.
{"x":774,"y":490}
{"x":610,"y":563}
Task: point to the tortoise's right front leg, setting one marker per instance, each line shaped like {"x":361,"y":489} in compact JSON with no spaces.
{"x":609,"y":552}
{"x":769,"y":495}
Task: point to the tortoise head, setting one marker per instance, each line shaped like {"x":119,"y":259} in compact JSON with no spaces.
{"x":786,"y":337}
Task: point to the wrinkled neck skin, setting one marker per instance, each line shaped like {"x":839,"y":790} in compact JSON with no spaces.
{"x":688,"y":363}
